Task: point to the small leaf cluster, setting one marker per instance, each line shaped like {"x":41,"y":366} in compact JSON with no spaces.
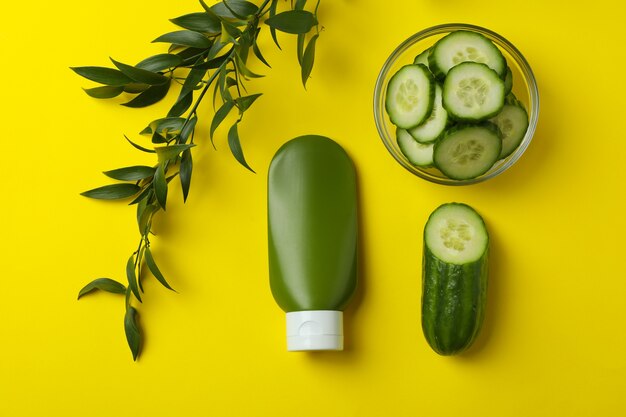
{"x":211,"y":49}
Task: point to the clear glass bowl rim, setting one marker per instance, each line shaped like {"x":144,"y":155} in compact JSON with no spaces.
{"x":527,"y":73}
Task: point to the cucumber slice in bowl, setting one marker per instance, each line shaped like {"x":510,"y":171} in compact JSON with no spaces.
{"x":418,"y":154}
{"x":465,"y":46}
{"x":467,"y":151}
{"x":508,"y":81}
{"x":422,"y":58}
{"x":473,"y":92}
{"x":434,"y":126}
{"x":454,"y":277}
{"x":513,"y":123}
{"x":410,"y":96}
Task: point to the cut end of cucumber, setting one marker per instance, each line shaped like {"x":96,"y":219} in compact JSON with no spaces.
{"x":455,"y":233}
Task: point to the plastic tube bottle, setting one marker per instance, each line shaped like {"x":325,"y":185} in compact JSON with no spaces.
{"x":312,"y":222}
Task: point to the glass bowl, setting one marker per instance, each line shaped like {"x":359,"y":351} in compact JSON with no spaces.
{"x":524,"y":88}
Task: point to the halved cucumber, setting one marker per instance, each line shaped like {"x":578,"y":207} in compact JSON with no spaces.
{"x":454,"y":277}
{"x":473,"y":92}
{"x":513,"y":123}
{"x":410,"y":96}
{"x":467,"y":151}
{"x":434,"y":126}
{"x":419,"y":154}
{"x":422,"y":58}
{"x":464,"y":46}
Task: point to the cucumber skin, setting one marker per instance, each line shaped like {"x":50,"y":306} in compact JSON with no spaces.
{"x":453,"y":302}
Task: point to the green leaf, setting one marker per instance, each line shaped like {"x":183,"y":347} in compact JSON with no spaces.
{"x":152,"y":95}
{"x":188,"y":128}
{"x":141,"y":207}
{"x":191,"y":55}
{"x":193,"y":79}
{"x":243,"y":49}
{"x":102,"y":284}
{"x":158,"y":138}
{"x":160,"y":185}
{"x":112,"y":192}
{"x":213,"y":63}
{"x":106,"y":91}
{"x":164,"y":126}
{"x":219,"y":116}
{"x":103,"y":75}
{"x":258,"y":54}
{"x":221,"y":82}
{"x":155,"y":270}
{"x":236,"y":9}
{"x":133,"y":334}
{"x":132,"y":173}
{"x":186,"y":167}
{"x":144,"y":216}
{"x":300,"y":47}
{"x":185,"y":38}
{"x":307,"y":60}
{"x":235,"y":146}
{"x":241,"y":66}
{"x":231,"y":82}
{"x":141,"y":75}
{"x":182,"y":105}
{"x":293,"y":21}
{"x":215,"y":49}
{"x":272,"y":14}
{"x":198,"y":22}
{"x":142,"y":196}
{"x":140,"y":268}
{"x":135,"y":88}
{"x":160,"y":62}
{"x":132,"y":277}
{"x":243,"y":103}
{"x":141,"y":148}
{"x":229,"y":33}
{"x":167,"y":153}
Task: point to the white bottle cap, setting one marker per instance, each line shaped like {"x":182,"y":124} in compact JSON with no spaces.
{"x":315,"y":330}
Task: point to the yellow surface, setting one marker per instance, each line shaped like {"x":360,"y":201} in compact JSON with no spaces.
{"x":554,"y":340}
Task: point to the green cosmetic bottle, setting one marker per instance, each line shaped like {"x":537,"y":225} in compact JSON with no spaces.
{"x":312,"y":222}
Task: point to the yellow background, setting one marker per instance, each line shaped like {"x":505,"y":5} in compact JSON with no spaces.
{"x":554,"y":339}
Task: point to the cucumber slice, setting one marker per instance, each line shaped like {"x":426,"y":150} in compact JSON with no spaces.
{"x":508,"y":81}
{"x":422,"y":58}
{"x":456,"y":234}
{"x":467,"y":151}
{"x":464,"y":46}
{"x":410,"y":96}
{"x":419,"y":154}
{"x":513,"y":123}
{"x":473,"y":92}
{"x":454,"y":278}
{"x":434,"y":126}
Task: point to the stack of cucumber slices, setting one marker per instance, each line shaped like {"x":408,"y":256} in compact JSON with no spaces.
{"x":454,"y":109}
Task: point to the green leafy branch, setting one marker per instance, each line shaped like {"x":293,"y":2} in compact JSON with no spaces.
{"x":211,"y":51}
